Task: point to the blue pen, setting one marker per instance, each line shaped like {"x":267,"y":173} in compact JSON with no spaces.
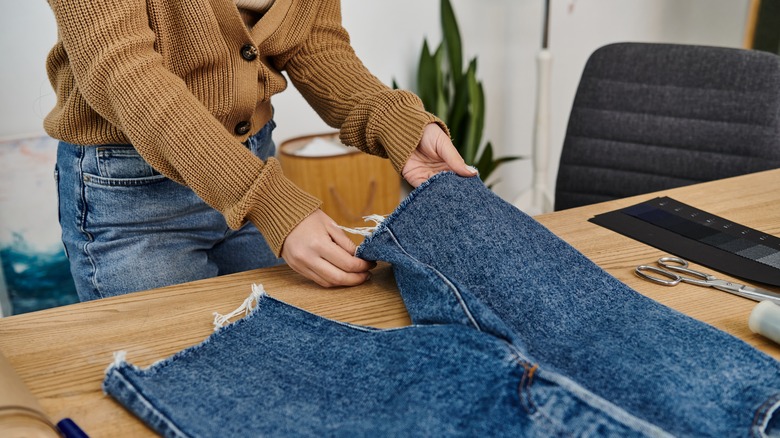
{"x":69,"y":429}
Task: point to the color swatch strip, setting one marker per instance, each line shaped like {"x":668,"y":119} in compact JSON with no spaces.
{"x":707,"y":228}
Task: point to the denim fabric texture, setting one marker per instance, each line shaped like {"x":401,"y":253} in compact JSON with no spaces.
{"x":515,"y":334}
{"x":127,"y":228}
{"x":568,"y":314}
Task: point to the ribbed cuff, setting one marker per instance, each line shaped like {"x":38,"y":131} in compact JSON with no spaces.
{"x":274,"y":205}
{"x":393,"y":124}
{"x":401,"y":133}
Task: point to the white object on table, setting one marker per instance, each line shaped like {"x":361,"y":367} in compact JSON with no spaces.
{"x":320,"y":147}
{"x":765,"y":320}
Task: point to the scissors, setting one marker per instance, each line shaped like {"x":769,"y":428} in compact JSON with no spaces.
{"x":673,"y":268}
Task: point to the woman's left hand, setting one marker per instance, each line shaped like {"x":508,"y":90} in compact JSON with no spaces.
{"x":434,"y":154}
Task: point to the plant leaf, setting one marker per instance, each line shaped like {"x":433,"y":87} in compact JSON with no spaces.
{"x":455,"y":96}
{"x":449,"y":25}
{"x":458,"y":112}
{"x":502,"y":160}
{"x":476,"y":113}
{"x":426,"y":78}
{"x":485,"y":162}
{"x":442,"y":92}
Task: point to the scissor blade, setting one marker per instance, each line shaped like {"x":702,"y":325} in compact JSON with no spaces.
{"x":762,"y":293}
{"x":749,"y":292}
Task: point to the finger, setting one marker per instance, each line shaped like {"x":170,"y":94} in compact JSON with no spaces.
{"x":312,"y":275}
{"x":341,"y":239}
{"x":344,"y":260}
{"x":416,"y":171}
{"x":325,"y":273}
{"x":450,"y":155}
{"x":445,"y":151}
{"x":328,"y":275}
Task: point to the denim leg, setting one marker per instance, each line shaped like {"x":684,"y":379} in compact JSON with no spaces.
{"x":572,"y":317}
{"x":242,"y":250}
{"x":127,"y":228}
{"x":282,"y":371}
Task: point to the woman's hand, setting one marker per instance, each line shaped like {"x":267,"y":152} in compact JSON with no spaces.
{"x":320,"y":251}
{"x":434,"y":154}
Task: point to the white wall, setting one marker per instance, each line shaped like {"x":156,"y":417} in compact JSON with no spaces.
{"x":27,"y":33}
{"x":504,"y":34}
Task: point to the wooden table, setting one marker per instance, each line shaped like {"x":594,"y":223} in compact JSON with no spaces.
{"x":61,"y":353}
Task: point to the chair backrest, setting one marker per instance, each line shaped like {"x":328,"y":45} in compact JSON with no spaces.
{"x":648,"y":117}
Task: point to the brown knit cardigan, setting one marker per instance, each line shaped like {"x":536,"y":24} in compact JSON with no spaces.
{"x":186,"y":82}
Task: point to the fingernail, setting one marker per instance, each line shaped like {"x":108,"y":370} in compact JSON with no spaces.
{"x":472,"y":169}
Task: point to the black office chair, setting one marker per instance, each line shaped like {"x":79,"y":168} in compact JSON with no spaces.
{"x":649,"y":117}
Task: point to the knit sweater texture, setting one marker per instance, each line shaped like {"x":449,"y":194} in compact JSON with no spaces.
{"x":186,"y":82}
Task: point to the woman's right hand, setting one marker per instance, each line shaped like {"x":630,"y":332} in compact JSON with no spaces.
{"x":320,"y":251}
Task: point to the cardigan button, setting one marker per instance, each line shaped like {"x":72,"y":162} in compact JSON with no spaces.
{"x":249,"y":52}
{"x":242,"y":128}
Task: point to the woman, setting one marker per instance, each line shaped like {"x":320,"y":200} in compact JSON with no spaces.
{"x":164,"y":119}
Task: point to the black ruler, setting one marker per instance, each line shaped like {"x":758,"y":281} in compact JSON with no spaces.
{"x":700,"y":237}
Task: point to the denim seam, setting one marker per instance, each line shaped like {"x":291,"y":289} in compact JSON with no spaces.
{"x":524,"y":393}
{"x":149,"y":405}
{"x":449,"y":284}
{"x":524,"y":386}
{"x":83,"y":223}
{"x":614,"y":412}
{"x":58,"y":186}
{"x":123,"y":182}
{"x":526,"y":399}
{"x":116,"y":151}
{"x":764,"y":413}
{"x":576,"y":391}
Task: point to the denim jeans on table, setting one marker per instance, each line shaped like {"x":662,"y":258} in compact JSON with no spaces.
{"x":515,"y":334}
{"x":127,"y":228}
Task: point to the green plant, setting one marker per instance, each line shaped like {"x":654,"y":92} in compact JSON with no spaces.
{"x":456,"y":96}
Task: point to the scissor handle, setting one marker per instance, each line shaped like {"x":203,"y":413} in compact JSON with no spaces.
{"x":679,"y":265}
{"x":642,"y":271}
{"x":672,"y":262}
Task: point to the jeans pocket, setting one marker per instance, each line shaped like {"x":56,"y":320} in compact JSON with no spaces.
{"x":122,"y":165}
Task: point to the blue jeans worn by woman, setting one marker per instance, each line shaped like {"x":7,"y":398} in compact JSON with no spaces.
{"x":127,"y":228}
{"x":515,"y":334}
